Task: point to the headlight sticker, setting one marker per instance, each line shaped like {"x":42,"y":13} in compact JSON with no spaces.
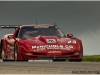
{"x":71,"y":41}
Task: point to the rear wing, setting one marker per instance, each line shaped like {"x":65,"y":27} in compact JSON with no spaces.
{"x":14,"y":26}
{"x":9,"y":26}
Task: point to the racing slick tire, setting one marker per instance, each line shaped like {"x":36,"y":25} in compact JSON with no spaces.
{"x":59,"y":60}
{"x":77,"y":60}
{"x":16,"y":54}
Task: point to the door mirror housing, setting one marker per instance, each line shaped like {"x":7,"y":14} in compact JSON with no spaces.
{"x":69,"y":35}
{"x":11,"y":36}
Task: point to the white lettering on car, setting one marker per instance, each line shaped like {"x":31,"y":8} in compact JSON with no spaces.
{"x":44,"y":47}
{"x":33,"y":47}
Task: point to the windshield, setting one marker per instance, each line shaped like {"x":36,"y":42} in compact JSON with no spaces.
{"x":26,"y":32}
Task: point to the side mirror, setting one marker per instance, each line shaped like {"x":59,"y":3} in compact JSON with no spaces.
{"x":69,"y":35}
{"x":11,"y":37}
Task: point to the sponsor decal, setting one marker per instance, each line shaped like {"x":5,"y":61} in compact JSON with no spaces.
{"x":50,"y":40}
{"x":41,"y":26}
{"x":54,"y":47}
{"x":54,"y":51}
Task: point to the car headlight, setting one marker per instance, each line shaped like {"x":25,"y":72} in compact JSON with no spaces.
{"x":71,"y":41}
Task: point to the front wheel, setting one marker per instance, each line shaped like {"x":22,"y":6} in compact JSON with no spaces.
{"x":77,"y":60}
{"x":15,"y":52}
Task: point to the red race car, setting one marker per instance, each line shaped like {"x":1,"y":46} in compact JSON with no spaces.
{"x":40,"y":41}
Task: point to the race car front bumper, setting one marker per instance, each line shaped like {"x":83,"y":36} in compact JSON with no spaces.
{"x":53,"y":55}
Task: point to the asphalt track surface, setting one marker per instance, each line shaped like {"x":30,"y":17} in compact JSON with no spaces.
{"x":49,"y":67}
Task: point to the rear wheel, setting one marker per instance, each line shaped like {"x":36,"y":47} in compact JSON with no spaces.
{"x":3,"y":55}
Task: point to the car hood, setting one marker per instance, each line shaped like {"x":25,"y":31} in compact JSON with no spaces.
{"x":42,"y":40}
{"x":49,"y":42}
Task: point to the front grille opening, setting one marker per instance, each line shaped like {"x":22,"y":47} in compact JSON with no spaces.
{"x":71,"y":53}
{"x":33,"y":57}
{"x":56,"y":57}
{"x":39,"y":53}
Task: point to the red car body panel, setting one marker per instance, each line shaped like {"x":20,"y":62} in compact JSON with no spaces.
{"x":40,"y":47}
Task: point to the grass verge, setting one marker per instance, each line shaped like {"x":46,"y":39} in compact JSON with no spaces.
{"x":92,"y":58}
